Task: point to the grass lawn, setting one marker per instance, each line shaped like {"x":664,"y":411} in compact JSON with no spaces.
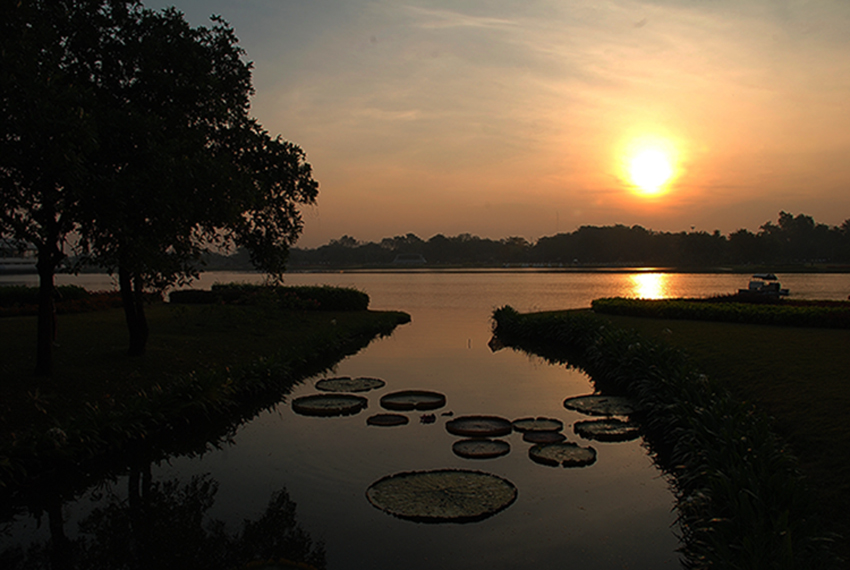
{"x":799,"y":376}
{"x":91,"y":369}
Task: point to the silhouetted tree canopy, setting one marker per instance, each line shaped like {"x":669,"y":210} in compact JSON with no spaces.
{"x":154,"y":159}
{"x":792,"y":240}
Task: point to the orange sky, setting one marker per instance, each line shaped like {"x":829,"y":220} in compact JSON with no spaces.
{"x":498,"y":118}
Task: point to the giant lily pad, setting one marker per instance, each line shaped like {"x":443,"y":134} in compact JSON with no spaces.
{"x":413,"y":400}
{"x":543,"y":437}
{"x":347,"y":384}
{"x":328,"y":405}
{"x":564,"y":453}
{"x":481,"y":448}
{"x":479,"y":426}
{"x":538,"y":424}
{"x":599,"y":405}
{"x":610,"y":429}
{"x":387,"y":420}
{"x":445,"y":495}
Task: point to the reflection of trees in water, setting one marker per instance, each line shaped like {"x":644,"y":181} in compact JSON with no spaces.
{"x":165,"y":525}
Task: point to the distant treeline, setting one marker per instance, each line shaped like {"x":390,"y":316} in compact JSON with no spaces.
{"x":791,"y":240}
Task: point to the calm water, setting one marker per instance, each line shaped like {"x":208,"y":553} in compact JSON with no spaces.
{"x":616,"y":513}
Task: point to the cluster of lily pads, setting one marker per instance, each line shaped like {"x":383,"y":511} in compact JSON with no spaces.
{"x":460,"y":495}
{"x":549,"y":443}
{"x":341,"y":399}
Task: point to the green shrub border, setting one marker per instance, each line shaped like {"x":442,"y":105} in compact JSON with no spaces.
{"x":733,"y":312}
{"x":317,"y":298}
{"x":741,"y":501}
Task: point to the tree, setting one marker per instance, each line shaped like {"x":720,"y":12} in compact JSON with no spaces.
{"x":47,"y":133}
{"x":183,"y":166}
{"x":130,"y":128}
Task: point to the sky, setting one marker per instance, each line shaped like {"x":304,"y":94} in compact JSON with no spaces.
{"x":522,"y":117}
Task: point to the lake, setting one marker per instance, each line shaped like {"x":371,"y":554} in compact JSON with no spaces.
{"x":614,"y":513}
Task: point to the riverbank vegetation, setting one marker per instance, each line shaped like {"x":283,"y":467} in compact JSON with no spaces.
{"x":793,"y":243}
{"x":742,"y":499}
{"x":203,"y":362}
{"x":828,"y":314}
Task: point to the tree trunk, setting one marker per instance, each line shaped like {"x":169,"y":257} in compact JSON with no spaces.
{"x":46,"y":312}
{"x":60,"y":546}
{"x":142,"y":321}
{"x":133,"y":301}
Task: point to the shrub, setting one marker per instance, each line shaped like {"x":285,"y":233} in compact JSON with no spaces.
{"x":319,"y":298}
{"x":782,"y":314}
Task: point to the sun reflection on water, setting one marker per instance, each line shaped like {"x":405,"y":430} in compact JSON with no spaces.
{"x":650,"y":285}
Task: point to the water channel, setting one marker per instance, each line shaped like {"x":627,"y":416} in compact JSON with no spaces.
{"x":615,"y":513}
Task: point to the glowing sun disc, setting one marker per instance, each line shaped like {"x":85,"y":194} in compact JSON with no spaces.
{"x":650,"y":169}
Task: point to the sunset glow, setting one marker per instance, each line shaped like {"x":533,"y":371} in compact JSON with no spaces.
{"x":649,"y":285}
{"x":649,"y":165}
{"x":650,"y":170}
{"x":527,"y":119}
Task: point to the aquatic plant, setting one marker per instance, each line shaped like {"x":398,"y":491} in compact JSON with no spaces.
{"x":538,"y":424}
{"x":601,"y":405}
{"x":407,"y":400}
{"x":445,"y":495}
{"x":387,"y":420}
{"x":329,"y":405}
{"x":481,"y":448}
{"x":609,"y":429}
{"x":479,"y":426}
{"x":346,"y":384}
{"x":565,"y":454}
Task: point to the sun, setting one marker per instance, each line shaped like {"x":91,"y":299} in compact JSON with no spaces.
{"x":649,"y":165}
{"x":650,"y":170}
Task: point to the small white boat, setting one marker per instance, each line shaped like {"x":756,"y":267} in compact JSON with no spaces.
{"x":764,"y":284}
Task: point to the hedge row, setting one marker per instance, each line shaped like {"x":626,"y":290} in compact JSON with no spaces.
{"x":320,"y":298}
{"x":699,"y":310}
{"x":21,"y":295}
{"x":20,"y":300}
{"x":741,"y":502}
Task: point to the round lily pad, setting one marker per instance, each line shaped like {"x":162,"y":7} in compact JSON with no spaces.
{"x":564,"y":453}
{"x":599,"y":405}
{"x":387,"y":420}
{"x":538,"y":424}
{"x":413,"y":400}
{"x":610,"y":429}
{"x":328,"y":404}
{"x":543,"y":437}
{"x":347,"y":384}
{"x":445,"y":495}
{"x":481,"y":448}
{"x":479,"y":426}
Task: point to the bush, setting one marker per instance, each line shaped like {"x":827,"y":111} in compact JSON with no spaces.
{"x":317,"y":298}
{"x":20,"y":300}
{"x":782,"y":314}
{"x":20,"y":295}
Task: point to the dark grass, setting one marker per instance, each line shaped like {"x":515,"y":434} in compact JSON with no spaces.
{"x":799,"y":376}
{"x":195,"y":352}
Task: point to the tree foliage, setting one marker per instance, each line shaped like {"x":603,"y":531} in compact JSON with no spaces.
{"x":792,"y":240}
{"x":151,"y":157}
